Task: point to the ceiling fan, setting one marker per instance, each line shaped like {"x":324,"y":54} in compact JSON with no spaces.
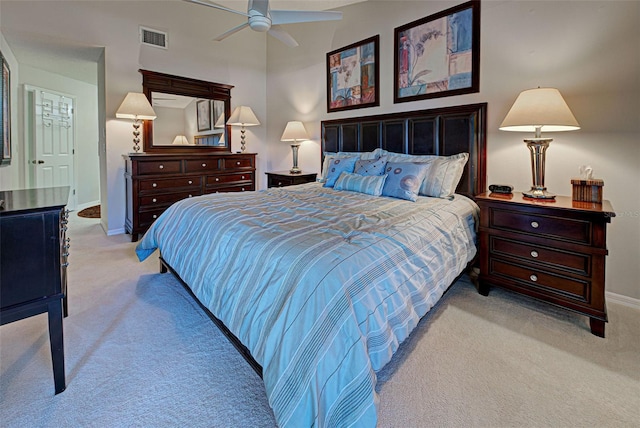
{"x":261,"y":18}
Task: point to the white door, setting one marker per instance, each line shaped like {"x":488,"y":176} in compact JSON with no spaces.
{"x":51,"y":149}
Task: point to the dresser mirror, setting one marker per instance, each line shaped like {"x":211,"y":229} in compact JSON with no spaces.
{"x":191,"y":114}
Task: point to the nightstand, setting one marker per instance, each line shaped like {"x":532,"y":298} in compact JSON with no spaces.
{"x":285,"y":178}
{"x":552,"y":251}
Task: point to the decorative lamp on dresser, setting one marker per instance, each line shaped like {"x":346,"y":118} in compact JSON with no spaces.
{"x":552,"y":251}
{"x":155,"y":181}
{"x":33,"y":263}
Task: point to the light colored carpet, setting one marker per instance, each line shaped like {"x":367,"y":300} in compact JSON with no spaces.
{"x":140,"y":352}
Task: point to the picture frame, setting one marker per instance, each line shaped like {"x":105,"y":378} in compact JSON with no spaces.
{"x":439,"y":55}
{"x":352,"y":76}
{"x":5,"y":112}
{"x":203,"y":115}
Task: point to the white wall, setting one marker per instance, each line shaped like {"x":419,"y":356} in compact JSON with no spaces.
{"x":586,"y":49}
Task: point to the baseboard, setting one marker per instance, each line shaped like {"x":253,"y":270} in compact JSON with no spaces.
{"x":623,"y":300}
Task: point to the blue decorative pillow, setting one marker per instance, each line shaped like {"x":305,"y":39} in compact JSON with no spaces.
{"x":369,"y":184}
{"x":370,"y":166}
{"x":336,"y":167}
{"x":404,"y":179}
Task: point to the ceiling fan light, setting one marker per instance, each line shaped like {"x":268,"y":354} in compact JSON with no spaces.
{"x":259,"y":23}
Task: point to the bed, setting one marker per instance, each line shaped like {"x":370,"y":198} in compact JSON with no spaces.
{"x":317,"y":287}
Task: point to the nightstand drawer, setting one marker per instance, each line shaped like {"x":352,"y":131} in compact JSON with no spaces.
{"x":554,"y":258}
{"x":169,"y":183}
{"x":159,"y":167}
{"x":541,"y":225}
{"x":542,"y":281}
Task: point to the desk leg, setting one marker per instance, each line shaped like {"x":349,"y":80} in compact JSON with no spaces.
{"x":57,"y":345}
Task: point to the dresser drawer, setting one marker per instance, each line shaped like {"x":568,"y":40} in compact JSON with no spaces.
{"x":237,"y":188}
{"x":541,"y":225}
{"x":153,"y":201}
{"x":229,"y":178}
{"x":149,"y":185}
{"x":233,"y":163}
{"x":159,"y":167}
{"x":575,"y":262}
{"x":148,"y":217}
{"x":544,"y":282}
{"x":202,"y":165}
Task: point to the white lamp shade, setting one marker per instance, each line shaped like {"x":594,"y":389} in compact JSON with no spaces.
{"x":180,"y":139}
{"x":294,"y":131}
{"x":136,"y":106}
{"x":243,"y":116}
{"x":542,"y":108}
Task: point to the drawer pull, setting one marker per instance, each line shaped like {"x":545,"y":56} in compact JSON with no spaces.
{"x":204,"y":165}
{"x":155,"y":216}
{"x":243,"y":189}
{"x":534,"y":254}
{"x":238,"y":163}
{"x":190,"y":182}
{"x":534,"y":224}
{"x":533,"y":278}
{"x":161,"y":166}
{"x":154,"y":200}
{"x":242,"y":177}
{"x":279,"y":183}
{"x":154,"y":185}
{"x":191,"y":196}
{"x":217,"y":179}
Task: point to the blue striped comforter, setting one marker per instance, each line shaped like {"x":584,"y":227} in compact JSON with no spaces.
{"x":321,"y":285}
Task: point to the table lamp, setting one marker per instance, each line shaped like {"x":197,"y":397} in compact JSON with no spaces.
{"x":536,"y":110}
{"x":243,"y":116}
{"x":294,"y":131}
{"x":136,"y":106}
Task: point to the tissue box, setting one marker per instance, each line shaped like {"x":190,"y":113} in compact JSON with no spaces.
{"x":587,"y":190}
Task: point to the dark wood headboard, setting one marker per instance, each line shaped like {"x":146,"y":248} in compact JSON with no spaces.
{"x":442,"y":131}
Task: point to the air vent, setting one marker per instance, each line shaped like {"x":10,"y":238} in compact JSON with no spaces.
{"x":152,"y":37}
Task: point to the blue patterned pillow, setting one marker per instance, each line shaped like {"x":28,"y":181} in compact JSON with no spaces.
{"x":337,"y":166}
{"x":404,"y":179}
{"x":370,"y":166}
{"x":369,"y":184}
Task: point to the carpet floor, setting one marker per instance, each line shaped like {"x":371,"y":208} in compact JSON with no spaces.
{"x":140,"y":352}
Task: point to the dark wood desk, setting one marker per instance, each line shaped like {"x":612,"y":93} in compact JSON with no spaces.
{"x":33,"y":263}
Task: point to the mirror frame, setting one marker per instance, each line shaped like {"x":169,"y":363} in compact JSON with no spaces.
{"x":153,"y":81}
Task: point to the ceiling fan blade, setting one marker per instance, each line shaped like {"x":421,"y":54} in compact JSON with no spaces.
{"x":230,"y":32}
{"x":296,"y":16}
{"x":216,"y":6}
{"x":277,"y":32}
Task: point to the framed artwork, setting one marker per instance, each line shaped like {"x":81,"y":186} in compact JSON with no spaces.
{"x":352,"y":76}
{"x":203,"y":115}
{"x":438,"y":56}
{"x":5,"y":112}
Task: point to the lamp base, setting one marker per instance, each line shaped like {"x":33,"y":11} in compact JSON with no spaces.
{"x":536,"y":193}
{"x":295,"y":170}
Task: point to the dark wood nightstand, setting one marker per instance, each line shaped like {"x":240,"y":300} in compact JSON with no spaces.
{"x":285,"y":178}
{"x":552,"y":251}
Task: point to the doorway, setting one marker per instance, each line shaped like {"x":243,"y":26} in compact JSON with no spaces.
{"x":50,"y":136}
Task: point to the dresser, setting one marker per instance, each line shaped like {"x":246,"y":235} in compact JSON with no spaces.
{"x":33,"y":263}
{"x":286,"y":178}
{"x":551,"y":250}
{"x":155,"y":181}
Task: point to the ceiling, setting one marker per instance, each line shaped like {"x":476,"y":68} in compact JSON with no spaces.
{"x":79,"y":62}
